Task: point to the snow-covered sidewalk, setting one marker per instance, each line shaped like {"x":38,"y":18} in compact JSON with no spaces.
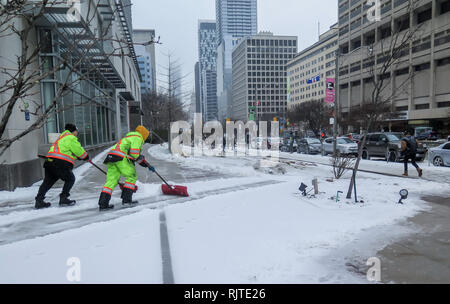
{"x":257,"y":229}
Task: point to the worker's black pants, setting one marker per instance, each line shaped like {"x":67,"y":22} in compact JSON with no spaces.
{"x":411,"y":157}
{"x":55,"y":170}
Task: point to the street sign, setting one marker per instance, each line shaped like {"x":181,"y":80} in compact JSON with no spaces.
{"x":331,"y":121}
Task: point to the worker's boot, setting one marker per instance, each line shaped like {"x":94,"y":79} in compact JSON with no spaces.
{"x":420,"y":171}
{"x":405,"y":174}
{"x":103,"y":202}
{"x":64,"y":201}
{"x":127,"y":197}
{"x":40,"y":204}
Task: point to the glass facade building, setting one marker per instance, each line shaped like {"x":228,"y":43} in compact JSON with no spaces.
{"x":88,"y":102}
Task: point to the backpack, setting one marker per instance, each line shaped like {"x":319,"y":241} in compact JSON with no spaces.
{"x":411,"y":145}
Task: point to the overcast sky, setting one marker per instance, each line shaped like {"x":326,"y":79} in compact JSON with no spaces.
{"x":176,"y":21}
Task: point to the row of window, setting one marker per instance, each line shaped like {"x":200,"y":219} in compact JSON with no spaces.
{"x":271,"y":42}
{"x":274,"y":56}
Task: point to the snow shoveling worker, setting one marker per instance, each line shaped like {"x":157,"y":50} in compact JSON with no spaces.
{"x":121,"y":162}
{"x":59,"y":165}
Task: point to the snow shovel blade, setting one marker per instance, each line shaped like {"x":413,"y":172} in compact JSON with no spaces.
{"x":174,"y":190}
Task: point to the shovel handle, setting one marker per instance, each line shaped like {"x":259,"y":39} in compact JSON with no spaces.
{"x":90,"y":161}
{"x":162,"y":179}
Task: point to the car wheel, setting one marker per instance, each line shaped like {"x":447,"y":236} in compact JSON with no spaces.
{"x":365,"y":155}
{"x":438,"y":162}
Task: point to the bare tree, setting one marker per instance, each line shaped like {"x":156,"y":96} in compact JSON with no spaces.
{"x":383,"y":59}
{"x":157,"y":115}
{"x":175,"y":105}
{"x":341,"y":163}
{"x":78,"y":61}
{"x":314,"y":115}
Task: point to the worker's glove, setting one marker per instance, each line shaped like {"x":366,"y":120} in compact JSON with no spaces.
{"x":142,"y":162}
{"x":84,"y":159}
{"x":151,"y":168}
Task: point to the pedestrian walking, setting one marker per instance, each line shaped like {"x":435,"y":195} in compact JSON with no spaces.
{"x":409,"y":150}
{"x":121,"y":162}
{"x":59,"y":165}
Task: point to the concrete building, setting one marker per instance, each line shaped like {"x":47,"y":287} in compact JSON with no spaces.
{"x":235,"y":19}
{"x":259,"y":76}
{"x":207,"y":68}
{"x":425,"y":98}
{"x":308,"y":70}
{"x":198,"y":106}
{"x":146,"y":58}
{"x":101,"y":102}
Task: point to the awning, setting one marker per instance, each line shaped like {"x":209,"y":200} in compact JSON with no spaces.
{"x":80,"y":41}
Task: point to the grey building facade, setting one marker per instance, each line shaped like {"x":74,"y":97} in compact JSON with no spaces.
{"x":198,"y":106}
{"x":236,"y":19}
{"x":260,"y":76}
{"x":207,"y":68}
{"x":100,"y":102}
{"x":425,"y":98}
{"x":146,"y":59}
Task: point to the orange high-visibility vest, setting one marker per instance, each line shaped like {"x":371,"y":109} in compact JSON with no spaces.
{"x":67,"y":148}
{"x":130,"y":146}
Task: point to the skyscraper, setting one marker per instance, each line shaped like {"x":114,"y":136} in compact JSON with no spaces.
{"x":236,"y":19}
{"x":207,"y":68}
{"x":146,"y":59}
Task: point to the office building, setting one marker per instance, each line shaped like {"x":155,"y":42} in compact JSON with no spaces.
{"x":259,"y":76}
{"x":420,"y":100}
{"x":308,"y":70}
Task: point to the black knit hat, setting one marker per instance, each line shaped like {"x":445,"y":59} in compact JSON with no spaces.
{"x":71,"y":128}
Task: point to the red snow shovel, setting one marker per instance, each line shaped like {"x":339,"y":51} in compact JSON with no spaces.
{"x":120,"y":184}
{"x":172,"y":190}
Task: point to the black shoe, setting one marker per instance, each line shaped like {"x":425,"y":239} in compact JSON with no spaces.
{"x":64,"y":201}
{"x":127,"y":197}
{"x":40,"y":204}
{"x":103,"y":202}
{"x":106,"y":208}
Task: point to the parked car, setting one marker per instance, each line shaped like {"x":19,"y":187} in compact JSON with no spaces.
{"x":428,"y":135}
{"x":344,"y":145}
{"x":286,"y":145}
{"x":388,"y":145}
{"x":440,"y":156}
{"x":309,"y":146}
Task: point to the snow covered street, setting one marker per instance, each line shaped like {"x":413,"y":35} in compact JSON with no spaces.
{"x":241,"y":224}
